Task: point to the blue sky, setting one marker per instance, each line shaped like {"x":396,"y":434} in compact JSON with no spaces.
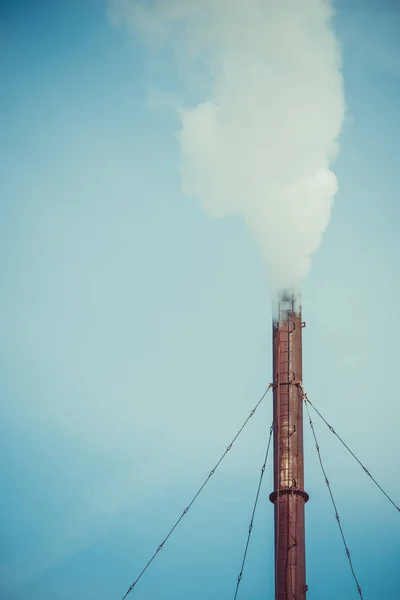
{"x":135,"y":329}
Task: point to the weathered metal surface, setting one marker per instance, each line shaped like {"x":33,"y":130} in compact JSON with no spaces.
{"x":288,"y":496}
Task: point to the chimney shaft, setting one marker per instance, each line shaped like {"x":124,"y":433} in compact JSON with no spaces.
{"x":288,"y":496}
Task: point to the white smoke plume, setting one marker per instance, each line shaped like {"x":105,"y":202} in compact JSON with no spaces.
{"x":262,"y":136}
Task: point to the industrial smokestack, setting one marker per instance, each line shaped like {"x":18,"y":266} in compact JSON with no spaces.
{"x":288,"y":496}
{"x":260,"y":104}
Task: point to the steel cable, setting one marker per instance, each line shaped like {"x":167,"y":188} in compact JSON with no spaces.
{"x":239,"y":579}
{"x":333,"y":503}
{"x":160,"y":547}
{"x":351,"y":452}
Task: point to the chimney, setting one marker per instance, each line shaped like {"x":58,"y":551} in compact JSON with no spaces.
{"x":288,"y":496}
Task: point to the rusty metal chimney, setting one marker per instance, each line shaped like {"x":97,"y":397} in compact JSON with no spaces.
{"x":288,"y":496}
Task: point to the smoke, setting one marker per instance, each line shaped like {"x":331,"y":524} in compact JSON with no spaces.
{"x":261,"y":135}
